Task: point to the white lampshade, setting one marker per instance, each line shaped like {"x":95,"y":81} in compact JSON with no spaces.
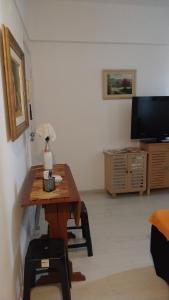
{"x":46,"y":130}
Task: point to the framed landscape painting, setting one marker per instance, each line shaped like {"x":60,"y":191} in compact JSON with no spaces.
{"x":14,"y":65}
{"x":119,"y":84}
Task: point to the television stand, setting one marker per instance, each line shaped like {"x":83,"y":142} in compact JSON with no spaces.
{"x":155,"y":140}
{"x":148,"y":141}
{"x":164,"y":141}
{"x":158,"y":164}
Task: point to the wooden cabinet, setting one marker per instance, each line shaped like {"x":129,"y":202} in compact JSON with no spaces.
{"x":158,"y":165}
{"x":125,"y":171}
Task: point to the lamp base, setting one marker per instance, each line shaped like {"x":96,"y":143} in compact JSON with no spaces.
{"x":48,"y":160}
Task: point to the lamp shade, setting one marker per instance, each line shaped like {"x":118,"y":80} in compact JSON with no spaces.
{"x":46,"y":130}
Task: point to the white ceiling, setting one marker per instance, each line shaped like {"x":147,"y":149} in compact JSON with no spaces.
{"x":137,"y":2}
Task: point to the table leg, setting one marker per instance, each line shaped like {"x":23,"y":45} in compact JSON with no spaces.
{"x":75,"y":276}
{"x":57,"y":217}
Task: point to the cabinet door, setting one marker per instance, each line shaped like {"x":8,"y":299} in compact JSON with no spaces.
{"x":119,"y":173}
{"x":158,"y":169}
{"x":137,"y":171}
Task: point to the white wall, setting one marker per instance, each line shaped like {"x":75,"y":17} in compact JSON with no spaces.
{"x":14,"y":163}
{"x":97,"y":22}
{"x":72,"y":43}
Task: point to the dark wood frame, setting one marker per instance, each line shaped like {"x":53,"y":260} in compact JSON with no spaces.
{"x":9,"y":43}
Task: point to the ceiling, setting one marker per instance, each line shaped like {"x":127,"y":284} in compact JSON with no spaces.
{"x":136,"y":2}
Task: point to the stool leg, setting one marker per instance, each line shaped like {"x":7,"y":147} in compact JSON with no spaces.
{"x":64,"y":279}
{"x":33,"y":276}
{"x":83,"y":227}
{"x":67,"y":265}
{"x":86,"y":229}
{"x":27,"y":280}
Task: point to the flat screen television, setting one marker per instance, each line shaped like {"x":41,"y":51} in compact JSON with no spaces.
{"x":150,"y":118}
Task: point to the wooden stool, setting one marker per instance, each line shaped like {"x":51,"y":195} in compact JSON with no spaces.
{"x":46,"y":256}
{"x":85,"y":231}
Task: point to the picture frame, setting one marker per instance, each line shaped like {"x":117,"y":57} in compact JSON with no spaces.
{"x":119,"y":84}
{"x":15,"y":81}
{"x":29,"y":90}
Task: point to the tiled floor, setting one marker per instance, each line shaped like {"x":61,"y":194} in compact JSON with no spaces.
{"x":120,"y":233}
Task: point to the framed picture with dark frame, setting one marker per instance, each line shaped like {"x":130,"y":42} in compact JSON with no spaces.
{"x":15,"y":81}
{"x":119,"y":84}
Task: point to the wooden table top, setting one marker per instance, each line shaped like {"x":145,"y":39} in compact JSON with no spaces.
{"x":32,"y":192}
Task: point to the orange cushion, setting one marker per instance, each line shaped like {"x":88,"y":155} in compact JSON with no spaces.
{"x":160,"y":219}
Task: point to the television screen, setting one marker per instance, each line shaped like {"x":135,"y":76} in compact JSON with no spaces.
{"x":150,"y":117}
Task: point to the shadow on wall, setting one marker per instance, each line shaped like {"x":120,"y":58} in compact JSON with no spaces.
{"x":21,"y":234}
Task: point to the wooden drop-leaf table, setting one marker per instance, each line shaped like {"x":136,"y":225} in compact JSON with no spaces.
{"x":57,"y":204}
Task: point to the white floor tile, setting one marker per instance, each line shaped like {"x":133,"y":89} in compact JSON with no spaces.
{"x":120,"y":233}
